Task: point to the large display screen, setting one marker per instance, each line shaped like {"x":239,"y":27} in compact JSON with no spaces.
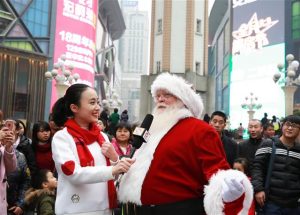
{"x":257,"y":47}
{"x":75,"y":37}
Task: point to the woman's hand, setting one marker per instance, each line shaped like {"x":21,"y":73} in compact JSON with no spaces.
{"x":122,"y":166}
{"x":109,"y":151}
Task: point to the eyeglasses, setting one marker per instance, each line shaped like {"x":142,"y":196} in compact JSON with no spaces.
{"x":292,"y":125}
{"x":164,"y":95}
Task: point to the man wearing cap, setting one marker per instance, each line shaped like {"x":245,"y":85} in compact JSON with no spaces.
{"x":283,"y":192}
{"x":181,"y":156}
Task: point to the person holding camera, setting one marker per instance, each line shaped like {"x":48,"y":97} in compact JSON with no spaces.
{"x":7,"y":163}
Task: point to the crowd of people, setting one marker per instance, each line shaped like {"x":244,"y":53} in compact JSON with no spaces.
{"x":72,"y":163}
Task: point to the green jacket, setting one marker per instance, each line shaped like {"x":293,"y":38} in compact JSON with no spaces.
{"x":114,"y":118}
{"x":42,"y":201}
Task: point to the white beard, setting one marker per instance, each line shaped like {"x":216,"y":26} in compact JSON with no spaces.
{"x":163,"y":117}
{"x":131,"y":184}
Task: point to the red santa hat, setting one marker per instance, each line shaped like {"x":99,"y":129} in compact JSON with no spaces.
{"x":180,"y":88}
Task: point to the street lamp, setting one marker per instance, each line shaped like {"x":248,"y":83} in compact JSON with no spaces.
{"x":251,"y":105}
{"x":112,"y":100}
{"x":289,"y":80}
{"x":62,"y":74}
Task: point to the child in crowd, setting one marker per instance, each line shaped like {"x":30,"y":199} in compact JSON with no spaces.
{"x":102,"y":127}
{"x":122,"y":143}
{"x":242,"y":164}
{"x":268,"y":131}
{"x":41,"y":197}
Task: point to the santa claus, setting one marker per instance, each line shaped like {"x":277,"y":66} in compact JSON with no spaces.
{"x":182,"y":168}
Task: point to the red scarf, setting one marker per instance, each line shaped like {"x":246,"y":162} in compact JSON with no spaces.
{"x":82,"y":138}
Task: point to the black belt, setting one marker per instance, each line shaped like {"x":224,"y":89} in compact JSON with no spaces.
{"x":187,"y":207}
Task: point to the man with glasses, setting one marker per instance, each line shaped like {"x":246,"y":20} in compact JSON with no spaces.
{"x":218,"y":121}
{"x":284,"y":187}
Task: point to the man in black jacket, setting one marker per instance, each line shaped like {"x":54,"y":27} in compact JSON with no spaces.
{"x":248,"y":148}
{"x":284,"y":188}
{"x":218,"y":121}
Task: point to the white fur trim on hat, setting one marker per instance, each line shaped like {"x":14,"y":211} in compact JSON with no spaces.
{"x":181,"y":89}
{"x":213,"y":202}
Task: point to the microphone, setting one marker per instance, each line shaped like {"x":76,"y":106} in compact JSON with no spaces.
{"x":141,"y":134}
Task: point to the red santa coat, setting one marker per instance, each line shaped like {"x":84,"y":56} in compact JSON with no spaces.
{"x":184,"y":160}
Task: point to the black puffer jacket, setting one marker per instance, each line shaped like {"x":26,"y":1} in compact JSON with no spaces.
{"x":231,"y":149}
{"x":247,"y":150}
{"x":26,"y":148}
{"x":285,"y":178}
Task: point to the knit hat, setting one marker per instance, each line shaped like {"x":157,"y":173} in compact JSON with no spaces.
{"x":181,"y":89}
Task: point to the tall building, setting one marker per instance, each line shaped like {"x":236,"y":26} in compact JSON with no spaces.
{"x":25,"y":45}
{"x":133,"y":55}
{"x":178,"y":45}
{"x":33,"y":36}
{"x":247,"y":41}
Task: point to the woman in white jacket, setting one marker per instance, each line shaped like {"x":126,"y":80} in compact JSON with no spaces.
{"x":85,"y":160}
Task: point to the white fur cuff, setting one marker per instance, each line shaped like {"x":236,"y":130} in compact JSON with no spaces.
{"x":213,"y":202}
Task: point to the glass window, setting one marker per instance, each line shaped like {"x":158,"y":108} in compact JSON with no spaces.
{"x":227,"y":36}
{"x":159,"y":26}
{"x":219,"y":92}
{"x":198,"y":68}
{"x":225,"y":77}
{"x":225,"y":105}
{"x":44,"y":45}
{"x":19,"y":44}
{"x":19,"y":5}
{"x":198,"y":26}
{"x":21,"y":96}
{"x":17,"y":31}
{"x":37,"y":18}
{"x":158,"y":66}
{"x":296,"y":9}
{"x":220,"y":53}
{"x":296,"y":20}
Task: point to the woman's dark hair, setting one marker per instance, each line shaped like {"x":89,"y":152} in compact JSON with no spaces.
{"x":39,"y":178}
{"x":38,"y":126}
{"x":18,"y":125}
{"x":126,"y":126}
{"x":61,"y":109}
{"x":244,"y":163}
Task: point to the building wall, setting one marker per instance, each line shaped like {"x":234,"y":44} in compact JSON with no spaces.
{"x":178,"y":37}
{"x":199,"y":39}
{"x":177,"y":47}
{"x":26,"y":45}
{"x":158,"y":37}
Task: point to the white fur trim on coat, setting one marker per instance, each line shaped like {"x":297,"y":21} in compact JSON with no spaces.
{"x":213,"y":202}
{"x":131,"y":183}
{"x":181,"y":89}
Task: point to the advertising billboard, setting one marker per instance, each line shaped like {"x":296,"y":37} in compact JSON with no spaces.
{"x":257,"y":47}
{"x":75,"y":37}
